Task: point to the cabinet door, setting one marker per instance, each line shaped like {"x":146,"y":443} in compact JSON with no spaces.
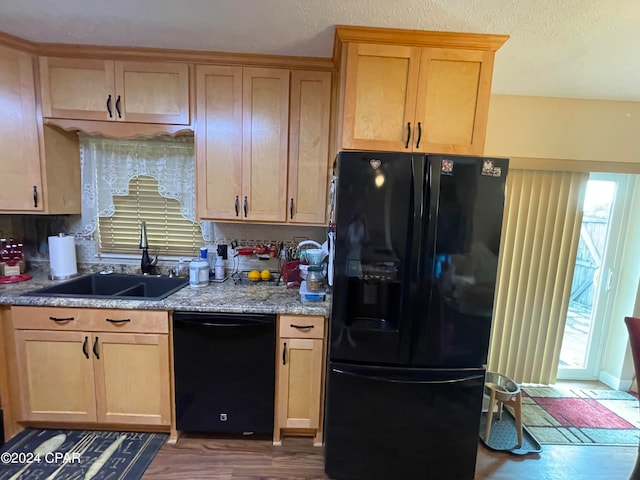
{"x":265,"y":143}
{"x":308,"y":147}
{"x":77,"y":89}
{"x":132,"y":378}
{"x":379,"y":96}
{"x":219,"y":142}
{"x":299,"y":383}
{"x":56,"y":376}
{"x":20,"y":158}
{"x":152,"y":92}
{"x":453,"y":100}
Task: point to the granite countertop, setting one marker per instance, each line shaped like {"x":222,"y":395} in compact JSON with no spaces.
{"x":244,"y":297}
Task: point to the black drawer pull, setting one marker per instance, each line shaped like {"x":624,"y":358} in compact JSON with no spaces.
{"x":95,"y":348}
{"x":124,"y":320}
{"x":67,"y":319}
{"x":284,"y":354}
{"x":302,"y":327}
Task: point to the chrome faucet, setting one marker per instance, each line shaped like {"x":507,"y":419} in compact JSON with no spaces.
{"x":146,"y":264}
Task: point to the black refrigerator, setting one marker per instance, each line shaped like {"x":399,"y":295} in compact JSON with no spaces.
{"x":416,"y":256}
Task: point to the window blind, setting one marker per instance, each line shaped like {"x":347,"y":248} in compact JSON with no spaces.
{"x":168,"y":232}
{"x":540,"y":233}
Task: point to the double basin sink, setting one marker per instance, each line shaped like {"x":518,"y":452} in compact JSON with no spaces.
{"x":114,"y":286}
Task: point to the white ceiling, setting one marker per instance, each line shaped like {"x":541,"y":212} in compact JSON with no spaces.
{"x":558,"y":48}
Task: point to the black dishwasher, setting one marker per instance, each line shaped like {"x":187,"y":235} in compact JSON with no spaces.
{"x":224,"y":367}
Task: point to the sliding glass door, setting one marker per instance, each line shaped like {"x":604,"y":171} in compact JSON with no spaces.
{"x":596,"y":266}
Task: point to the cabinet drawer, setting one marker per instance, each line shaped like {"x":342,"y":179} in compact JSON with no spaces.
{"x":48,"y":318}
{"x":292,"y":326}
{"x":89,"y":319}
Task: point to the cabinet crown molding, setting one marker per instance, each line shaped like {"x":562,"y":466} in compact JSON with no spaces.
{"x":18,"y":43}
{"x":422,"y":38}
{"x":146,"y":54}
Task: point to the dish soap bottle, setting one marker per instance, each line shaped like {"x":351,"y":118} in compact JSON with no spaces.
{"x":219,"y":268}
{"x":181,"y":268}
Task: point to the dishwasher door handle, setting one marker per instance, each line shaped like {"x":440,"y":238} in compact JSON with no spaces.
{"x":234,"y":323}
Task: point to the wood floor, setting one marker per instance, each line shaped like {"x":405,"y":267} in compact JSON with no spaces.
{"x":196,"y":458}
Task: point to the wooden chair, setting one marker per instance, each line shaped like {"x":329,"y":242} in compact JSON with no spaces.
{"x":633,"y":326}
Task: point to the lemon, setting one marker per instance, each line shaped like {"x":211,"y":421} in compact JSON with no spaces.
{"x":254,"y":275}
{"x":265,"y":274}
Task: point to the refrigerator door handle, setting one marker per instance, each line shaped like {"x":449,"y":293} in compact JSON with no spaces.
{"x":391,"y":379}
{"x":417,"y":170}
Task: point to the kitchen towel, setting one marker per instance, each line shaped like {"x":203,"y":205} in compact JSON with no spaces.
{"x":62,"y":257}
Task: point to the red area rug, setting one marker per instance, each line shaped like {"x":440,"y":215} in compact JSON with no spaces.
{"x":579,"y":416}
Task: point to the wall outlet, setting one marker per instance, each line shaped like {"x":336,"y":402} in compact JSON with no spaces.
{"x":222,"y":251}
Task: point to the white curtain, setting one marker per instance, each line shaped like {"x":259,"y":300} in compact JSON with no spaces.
{"x":108,"y":165}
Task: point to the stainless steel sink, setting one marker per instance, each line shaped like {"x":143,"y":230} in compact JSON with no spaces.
{"x":131,"y":287}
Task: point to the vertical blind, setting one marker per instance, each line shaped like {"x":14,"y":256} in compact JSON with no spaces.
{"x":540,"y":234}
{"x":168,"y":232}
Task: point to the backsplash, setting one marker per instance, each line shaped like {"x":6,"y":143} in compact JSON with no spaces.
{"x":34,"y":231}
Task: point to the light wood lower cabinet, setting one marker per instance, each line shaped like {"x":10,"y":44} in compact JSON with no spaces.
{"x":299,"y":376}
{"x":70,"y":371}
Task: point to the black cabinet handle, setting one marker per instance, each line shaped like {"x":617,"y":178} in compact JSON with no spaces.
{"x":284,"y":354}
{"x":301,"y":327}
{"x":84,"y":347}
{"x":237,"y":205}
{"x":291,"y":209}
{"x":406,"y":145}
{"x":109,"y":106}
{"x":66,"y":319}
{"x":419,"y":135}
{"x":118,"y":107}
{"x":245,"y":207}
{"x":35,"y":197}
{"x":95,"y":348}
{"x":124,"y":320}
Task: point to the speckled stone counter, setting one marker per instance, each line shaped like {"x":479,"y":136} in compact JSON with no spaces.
{"x":245,"y":297}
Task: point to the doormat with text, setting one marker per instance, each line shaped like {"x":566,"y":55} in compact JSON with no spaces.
{"x":581,"y":416}
{"x":74,"y":454}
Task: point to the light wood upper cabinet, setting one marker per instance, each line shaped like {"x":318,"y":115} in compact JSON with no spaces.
{"x":379,"y":96}
{"x":40,"y":165}
{"x":241,"y":143}
{"x":308,"y":147}
{"x":452,"y":101}
{"x":142,"y":92}
{"x":20,"y":158}
{"x":414,"y":91}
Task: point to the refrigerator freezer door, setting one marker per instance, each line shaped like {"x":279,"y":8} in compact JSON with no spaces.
{"x":378,"y":205}
{"x":460,"y":261}
{"x":384,"y":423}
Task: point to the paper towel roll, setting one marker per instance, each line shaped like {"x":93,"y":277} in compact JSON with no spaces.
{"x":62,"y":257}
